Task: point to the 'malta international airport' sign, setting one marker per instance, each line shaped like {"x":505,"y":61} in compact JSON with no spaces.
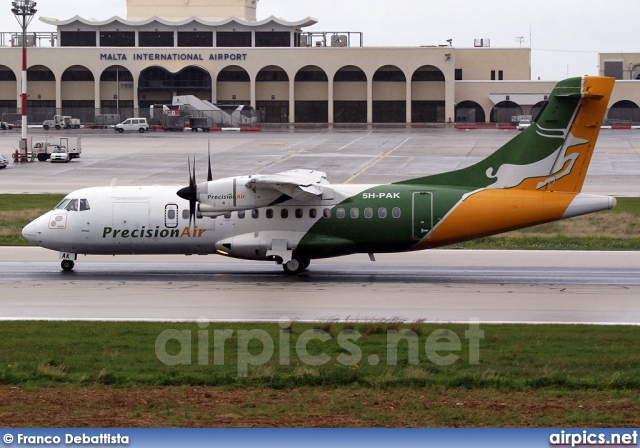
{"x":173,"y":57}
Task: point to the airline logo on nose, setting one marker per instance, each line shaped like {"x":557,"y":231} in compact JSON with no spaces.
{"x":58,"y":222}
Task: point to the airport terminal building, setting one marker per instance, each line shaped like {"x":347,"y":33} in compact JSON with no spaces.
{"x":219,"y":52}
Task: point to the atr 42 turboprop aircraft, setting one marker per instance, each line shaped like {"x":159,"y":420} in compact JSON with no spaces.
{"x":297,"y":216}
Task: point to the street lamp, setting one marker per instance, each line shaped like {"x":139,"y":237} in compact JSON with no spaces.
{"x":24,"y":10}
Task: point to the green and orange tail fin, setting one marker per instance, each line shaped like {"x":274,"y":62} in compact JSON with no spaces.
{"x":553,"y":154}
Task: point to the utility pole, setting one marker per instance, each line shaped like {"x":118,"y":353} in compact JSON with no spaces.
{"x":24,"y":10}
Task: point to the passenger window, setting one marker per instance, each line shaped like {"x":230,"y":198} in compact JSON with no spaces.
{"x":185,"y":214}
{"x":241,"y":214}
{"x":171,"y":214}
{"x":395,"y":212}
{"x":269,"y":213}
{"x":72,"y":206}
{"x":340,"y":213}
{"x":255,"y":214}
{"x":368,"y":212}
{"x":355,"y":212}
{"x":326,"y":213}
{"x":299,"y":213}
{"x":312,"y":213}
{"x":284,"y":213}
{"x":382,"y":212}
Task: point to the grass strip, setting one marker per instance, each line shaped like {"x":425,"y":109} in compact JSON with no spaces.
{"x":511,"y":357}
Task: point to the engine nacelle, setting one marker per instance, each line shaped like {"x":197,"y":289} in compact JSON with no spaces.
{"x":233,"y":193}
{"x":265,"y":245}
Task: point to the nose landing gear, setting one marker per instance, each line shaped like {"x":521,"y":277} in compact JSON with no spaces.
{"x":67,"y":265}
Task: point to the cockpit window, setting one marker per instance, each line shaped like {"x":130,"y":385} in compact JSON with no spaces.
{"x":62,"y":204}
{"x":72,"y":206}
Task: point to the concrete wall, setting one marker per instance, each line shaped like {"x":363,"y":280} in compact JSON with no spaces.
{"x":179,"y":9}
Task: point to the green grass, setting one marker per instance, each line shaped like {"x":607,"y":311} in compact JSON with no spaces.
{"x":512,"y":357}
{"x":617,"y":229}
{"x":17,"y":210}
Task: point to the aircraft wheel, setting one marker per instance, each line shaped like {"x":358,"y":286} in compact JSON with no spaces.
{"x":295,"y":266}
{"x":67,"y":265}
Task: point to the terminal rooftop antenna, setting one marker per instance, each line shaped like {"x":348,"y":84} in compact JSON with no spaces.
{"x":24,"y":10}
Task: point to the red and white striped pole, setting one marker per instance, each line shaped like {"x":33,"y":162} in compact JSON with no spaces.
{"x":24,"y":92}
{"x":24,"y":11}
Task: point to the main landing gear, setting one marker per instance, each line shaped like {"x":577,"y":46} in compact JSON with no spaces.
{"x":296,"y":265}
{"x":67,"y":265}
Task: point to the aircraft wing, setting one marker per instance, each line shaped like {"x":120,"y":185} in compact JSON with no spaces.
{"x":299,"y":184}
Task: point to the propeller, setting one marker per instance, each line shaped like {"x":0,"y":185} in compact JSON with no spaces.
{"x":190,"y":193}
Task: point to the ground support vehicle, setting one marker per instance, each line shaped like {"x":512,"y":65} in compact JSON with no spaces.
{"x":61,"y":122}
{"x":105,"y":121}
{"x":200,"y":123}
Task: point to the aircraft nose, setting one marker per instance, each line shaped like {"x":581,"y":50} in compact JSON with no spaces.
{"x":29,"y":231}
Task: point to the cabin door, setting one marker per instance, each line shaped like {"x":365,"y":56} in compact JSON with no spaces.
{"x":422,"y":213}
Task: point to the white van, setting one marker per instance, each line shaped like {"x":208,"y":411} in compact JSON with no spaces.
{"x":132,"y":124}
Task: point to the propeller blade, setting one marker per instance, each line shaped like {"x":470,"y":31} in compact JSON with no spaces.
{"x":194,"y":193}
{"x":190,"y":193}
{"x":209,"y":173}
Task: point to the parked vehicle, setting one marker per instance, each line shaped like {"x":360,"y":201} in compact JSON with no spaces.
{"x":60,"y":154}
{"x":3,"y":161}
{"x":132,"y":124}
{"x":61,"y":122}
{"x":5,"y":126}
{"x":523,"y":124}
